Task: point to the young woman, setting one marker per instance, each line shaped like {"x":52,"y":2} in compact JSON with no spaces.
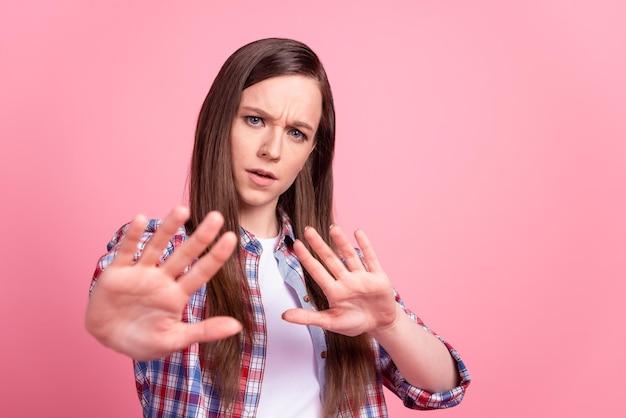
{"x":220,"y":334}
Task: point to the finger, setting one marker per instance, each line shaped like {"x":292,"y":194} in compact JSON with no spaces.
{"x":211,"y":329}
{"x":346,"y":249}
{"x":206,"y":267}
{"x":308,"y":317}
{"x":128,"y":246}
{"x":323,"y":250}
{"x":185,"y":254}
{"x":317,"y":271}
{"x":153,"y":250}
{"x":369,"y":255}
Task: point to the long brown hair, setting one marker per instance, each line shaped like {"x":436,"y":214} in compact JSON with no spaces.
{"x":308,"y":202}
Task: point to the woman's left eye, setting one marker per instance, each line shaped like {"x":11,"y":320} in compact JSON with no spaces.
{"x":254,"y":120}
{"x":296,"y":134}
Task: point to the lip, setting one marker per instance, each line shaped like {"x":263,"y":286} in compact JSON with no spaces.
{"x":262,"y":178}
{"x":262,"y":173}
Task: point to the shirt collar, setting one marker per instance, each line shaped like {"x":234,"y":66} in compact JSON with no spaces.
{"x":286,"y":237}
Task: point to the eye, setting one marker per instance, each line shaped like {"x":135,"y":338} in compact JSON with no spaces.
{"x":254,"y":120}
{"x":298,"y":135}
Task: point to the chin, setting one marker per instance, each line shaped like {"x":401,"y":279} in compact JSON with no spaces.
{"x":256,"y":203}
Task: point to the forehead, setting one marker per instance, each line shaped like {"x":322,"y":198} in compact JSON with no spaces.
{"x":295,"y":96}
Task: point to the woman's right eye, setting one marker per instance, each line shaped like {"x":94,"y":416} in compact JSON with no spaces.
{"x":254,"y":120}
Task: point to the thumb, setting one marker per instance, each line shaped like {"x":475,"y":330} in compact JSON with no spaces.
{"x":305,"y":317}
{"x":211,"y":329}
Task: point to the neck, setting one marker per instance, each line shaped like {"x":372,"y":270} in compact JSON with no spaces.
{"x":260,"y":222}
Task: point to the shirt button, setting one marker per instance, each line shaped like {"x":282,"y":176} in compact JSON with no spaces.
{"x":306,"y":298}
{"x":323,"y":354}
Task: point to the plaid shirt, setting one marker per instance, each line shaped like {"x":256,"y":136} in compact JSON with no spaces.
{"x":175,"y":386}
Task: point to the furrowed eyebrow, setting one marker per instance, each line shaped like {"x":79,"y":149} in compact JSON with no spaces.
{"x":265,"y":115}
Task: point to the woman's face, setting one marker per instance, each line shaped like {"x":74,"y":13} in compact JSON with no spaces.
{"x":271,"y":138}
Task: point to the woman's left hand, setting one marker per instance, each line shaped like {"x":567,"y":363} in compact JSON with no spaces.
{"x":360,"y":299}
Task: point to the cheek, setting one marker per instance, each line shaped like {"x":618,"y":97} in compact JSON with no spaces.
{"x":309,"y":156}
{"x":237,"y":135}
{"x":236,"y":147}
{"x":234,"y":155}
{"x":299,"y":166}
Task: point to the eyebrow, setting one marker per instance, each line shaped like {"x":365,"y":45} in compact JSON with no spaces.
{"x":265,"y":115}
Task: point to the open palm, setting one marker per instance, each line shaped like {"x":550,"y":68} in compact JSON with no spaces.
{"x":136,"y":305}
{"x":361,"y":299}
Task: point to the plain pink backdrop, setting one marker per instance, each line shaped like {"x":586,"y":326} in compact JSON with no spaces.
{"x":482,"y":146}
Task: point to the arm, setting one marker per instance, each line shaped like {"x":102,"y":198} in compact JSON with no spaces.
{"x":362,"y":299}
{"x":136,"y":304}
{"x":433,"y":370}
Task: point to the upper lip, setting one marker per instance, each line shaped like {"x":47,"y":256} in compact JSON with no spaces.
{"x":262,"y":172}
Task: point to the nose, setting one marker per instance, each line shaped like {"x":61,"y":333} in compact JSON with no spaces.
{"x":271,"y":147}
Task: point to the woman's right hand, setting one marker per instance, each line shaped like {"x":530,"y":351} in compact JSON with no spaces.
{"x":136,"y":306}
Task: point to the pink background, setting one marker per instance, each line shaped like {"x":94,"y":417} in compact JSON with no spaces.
{"x":481,"y":145}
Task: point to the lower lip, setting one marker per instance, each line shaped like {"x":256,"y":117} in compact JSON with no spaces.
{"x":260,"y":180}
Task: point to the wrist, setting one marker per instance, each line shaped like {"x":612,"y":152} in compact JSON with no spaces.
{"x":390,"y":330}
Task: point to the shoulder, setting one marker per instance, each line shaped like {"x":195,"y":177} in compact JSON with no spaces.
{"x":151,"y":227}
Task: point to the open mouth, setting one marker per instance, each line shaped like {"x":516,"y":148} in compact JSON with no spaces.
{"x":264,"y":174}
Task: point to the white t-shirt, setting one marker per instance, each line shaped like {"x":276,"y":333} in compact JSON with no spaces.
{"x":290,"y":386}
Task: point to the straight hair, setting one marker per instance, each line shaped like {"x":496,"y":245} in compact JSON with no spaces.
{"x":350,"y":364}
